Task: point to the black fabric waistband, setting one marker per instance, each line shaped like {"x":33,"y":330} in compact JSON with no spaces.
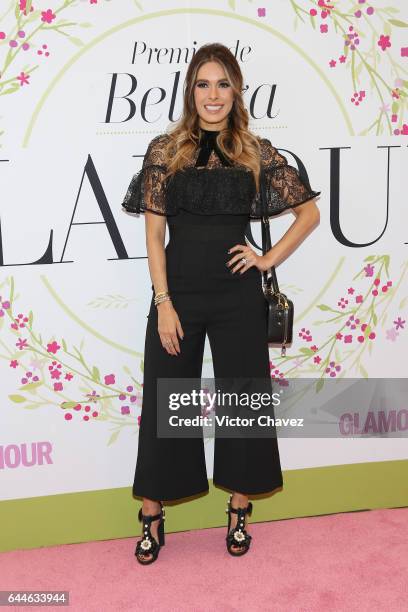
{"x":204,"y":233}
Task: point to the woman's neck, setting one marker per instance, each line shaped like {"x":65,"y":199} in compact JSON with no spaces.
{"x":212,"y":127}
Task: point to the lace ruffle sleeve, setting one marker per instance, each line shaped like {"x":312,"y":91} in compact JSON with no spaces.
{"x":147,"y":188}
{"x":285,"y":188}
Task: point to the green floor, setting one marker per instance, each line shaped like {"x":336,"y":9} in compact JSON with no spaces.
{"x":111,"y":513}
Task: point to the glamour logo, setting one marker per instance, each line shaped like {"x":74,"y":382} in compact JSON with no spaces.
{"x":26,"y":454}
{"x":374,"y":422}
{"x":91,"y":173}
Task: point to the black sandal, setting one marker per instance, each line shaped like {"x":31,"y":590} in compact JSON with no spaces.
{"x":148,"y":545}
{"x":238,"y":537}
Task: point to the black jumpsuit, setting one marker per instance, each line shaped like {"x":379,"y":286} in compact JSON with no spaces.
{"x":208,"y":205}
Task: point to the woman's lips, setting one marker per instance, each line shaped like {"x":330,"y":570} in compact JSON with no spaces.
{"x":213,"y":108}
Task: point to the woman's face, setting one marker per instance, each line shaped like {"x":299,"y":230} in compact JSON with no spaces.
{"x":213,"y":96}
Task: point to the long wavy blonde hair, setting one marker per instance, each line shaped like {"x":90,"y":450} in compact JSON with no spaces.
{"x":236,"y":142}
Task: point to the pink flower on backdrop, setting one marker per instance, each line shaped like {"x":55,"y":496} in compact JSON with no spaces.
{"x":404,"y":51}
{"x":305,"y":334}
{"x":58,"y":386}
{"x":110,"y":379}
{"x":23,"y":78}
{"x":324,"y":28}
{"x":332,"y":369}
{"x":5,"y":305}
{"x":55,"y":374}
{"x":324,"y":4}
{"x":69,"y":376}
{"x":399,"y":323}
{"x":317,"y":359}
{"x":43,"y":51}
{"x":359,"y":299}
{"x":384,"y":42}
{"x":13,"y":363}
{"x":23,"y":6}
{"x":22,"y":344}
{"x":53,"y":347}
{"x":342,"y":303}
{"x":48,"y":16}
{"x":369,"y":270}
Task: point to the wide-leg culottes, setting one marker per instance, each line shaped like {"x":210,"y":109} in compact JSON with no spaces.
{"x":230,"y":309}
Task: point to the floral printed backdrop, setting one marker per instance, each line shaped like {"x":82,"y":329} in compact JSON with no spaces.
{"x":73,"y":313}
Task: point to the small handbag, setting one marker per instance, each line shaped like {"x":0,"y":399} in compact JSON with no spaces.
{"x":279,"y":307}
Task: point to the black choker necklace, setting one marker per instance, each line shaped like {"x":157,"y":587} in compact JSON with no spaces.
{"x":208,"y":144}
{"x":210,"y":132}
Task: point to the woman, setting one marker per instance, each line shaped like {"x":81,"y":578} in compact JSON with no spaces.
{"x":202,"y":178}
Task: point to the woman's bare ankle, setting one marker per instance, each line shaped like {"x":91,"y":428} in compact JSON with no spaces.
{"x":150,"y":506}
{"x":239,"y":500}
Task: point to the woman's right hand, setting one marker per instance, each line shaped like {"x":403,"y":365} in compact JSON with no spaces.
{"x":168,"y":326}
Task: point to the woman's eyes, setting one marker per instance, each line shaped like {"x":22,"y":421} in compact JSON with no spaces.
{"x":223,"y":84}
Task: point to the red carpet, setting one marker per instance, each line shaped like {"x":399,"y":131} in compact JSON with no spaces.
{"x":341,"y":562}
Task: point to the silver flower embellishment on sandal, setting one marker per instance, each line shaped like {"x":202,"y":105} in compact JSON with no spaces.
{"x":239,"y":536}
{"x":146,"y":544}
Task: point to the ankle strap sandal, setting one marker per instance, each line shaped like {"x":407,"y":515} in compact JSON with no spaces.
{"x":147,"y":549}
{"x":238,"y":540}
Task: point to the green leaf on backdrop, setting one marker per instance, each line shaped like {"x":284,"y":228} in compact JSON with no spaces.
{"x":363,"y":371}
{"x":17,"y":399}
{"x":31,"y":386}
{"x":76,"y":41}
{"x":113,"y":437}
{"x":67,"y":405}
{"x":96,"y":374}
{"x":398,"y":23}
{"x":319,"y":385}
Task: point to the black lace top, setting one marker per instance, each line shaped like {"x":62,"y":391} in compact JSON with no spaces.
{"x":210,"y":184}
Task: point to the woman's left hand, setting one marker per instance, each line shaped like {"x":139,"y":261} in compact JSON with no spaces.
{"x":252,"y":259}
